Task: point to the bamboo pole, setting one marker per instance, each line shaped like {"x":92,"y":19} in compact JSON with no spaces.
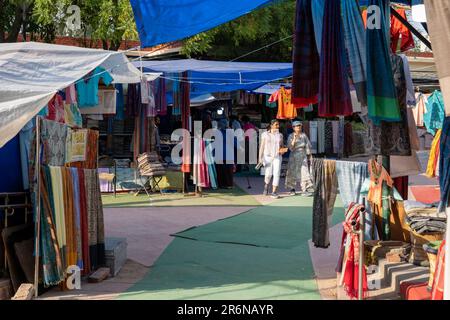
{"x":38,"y":206}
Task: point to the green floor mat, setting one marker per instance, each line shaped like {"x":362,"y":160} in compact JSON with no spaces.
{"x":284,"y":224}
{"x":202,"y":270}
{"x":233,"y":197}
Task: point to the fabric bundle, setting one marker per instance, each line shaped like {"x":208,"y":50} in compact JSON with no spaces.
{"x":350,"y":249}
{"x":334,"y":89}
{"x":355,"y":42}
{"x":306,"y":61}
{"x":444,"y":165}
{"x":381,"y":94}
{"x":149,"y":165}
{"x":424,"y":218}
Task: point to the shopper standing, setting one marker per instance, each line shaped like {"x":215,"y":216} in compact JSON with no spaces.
{"x":297,"y":171}
{"x":270,"y":156}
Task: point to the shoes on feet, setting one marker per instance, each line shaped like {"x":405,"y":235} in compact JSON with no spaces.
{"x":274,"y":195}
{"x":292,"y":193}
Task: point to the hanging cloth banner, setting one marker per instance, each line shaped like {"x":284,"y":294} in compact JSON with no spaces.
{"x":382,"y":98}
{"x":334,"y":90}
{"x":161,"y":21}
{"x":305,"y":81}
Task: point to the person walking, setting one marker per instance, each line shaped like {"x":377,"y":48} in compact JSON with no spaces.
{"x":297,"y":170}
{"x":270,"y":156}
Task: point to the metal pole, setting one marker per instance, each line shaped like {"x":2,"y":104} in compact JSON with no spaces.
{"x":38,"y":206}
{"x":362,"y":222}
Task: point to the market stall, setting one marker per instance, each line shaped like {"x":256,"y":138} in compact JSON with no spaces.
{"x":43,"y":90}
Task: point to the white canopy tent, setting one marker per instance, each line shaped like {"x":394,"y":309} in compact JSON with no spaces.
{"x":31,"y":73}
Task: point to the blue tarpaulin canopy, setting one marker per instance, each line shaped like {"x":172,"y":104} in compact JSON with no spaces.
{"x":218,"y":76}
{"x":161,"y":21}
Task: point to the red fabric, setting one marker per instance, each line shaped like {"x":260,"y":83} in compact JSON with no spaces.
{"x":426,"y":194}
{"x":304,"y":102}
{"x":437,"y":293}
{"x":414,"y":291}
{"x":401,"y":184}
{"x":56,"y":109}
{"x":351,"y":267}
{"x":397,"y":29}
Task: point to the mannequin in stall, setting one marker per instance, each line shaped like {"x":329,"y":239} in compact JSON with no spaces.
{"x":270,"y":156}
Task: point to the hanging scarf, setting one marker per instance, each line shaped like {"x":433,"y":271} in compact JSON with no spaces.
{"x":355,"y":42}
{"x":444,"y":165}
{"x":52,"y":266}
{"x":185,"y":89}
{"x":381,"y":94}
{"x":334,"y":90}
{"x":350,"y":273}
{"x":306,"y":63}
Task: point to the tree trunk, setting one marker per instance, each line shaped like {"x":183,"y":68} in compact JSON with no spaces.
{"x":13,"y":34}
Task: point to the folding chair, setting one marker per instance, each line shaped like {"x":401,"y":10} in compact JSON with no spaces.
{"x":151,"y":171}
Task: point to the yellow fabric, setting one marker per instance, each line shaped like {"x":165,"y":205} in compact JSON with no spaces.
{"x":57,"y":191}
{"x":434,"y":155}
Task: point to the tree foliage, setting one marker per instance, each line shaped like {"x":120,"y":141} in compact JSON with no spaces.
{"x":253,"y":31}
{"x":109,"y":21}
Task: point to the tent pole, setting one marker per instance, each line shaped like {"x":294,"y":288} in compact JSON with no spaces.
{"x":38,"y":206}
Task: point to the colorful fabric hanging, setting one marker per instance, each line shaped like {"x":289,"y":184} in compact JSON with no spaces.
{"x":393,"y":138}
{"x":400,"y":32}
{"x":185,"y":121}
{"x":286,"y":109}
{"x":355,"y":42}
{"x":176,"y":92}
{"x":212,"y":173}
{"x":91,"y":152}
{"x":318,"y":7}
{"x":433,"y":160}
{"x":306,"y":61}
{"x":379,"y":182}
{"x":350,"y":240}
{"x":444,"y":165}
{"x":95,"y":219}
{"x":51,"y":260}
{"x":53,"y":137}
{"x":381,"y":94}
{"x":334,"y":89}
{"x":434,"y":116}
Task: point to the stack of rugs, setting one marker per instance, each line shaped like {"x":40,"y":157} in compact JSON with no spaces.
{"x":426,"y":224}
{"x":149,"y":165}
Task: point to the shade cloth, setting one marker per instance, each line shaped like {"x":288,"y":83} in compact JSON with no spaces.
{"x":31,"y":73}
{"x":161,"y":21}
{"x":206,"y":76}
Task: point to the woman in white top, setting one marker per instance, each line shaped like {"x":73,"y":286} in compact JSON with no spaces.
{"x":270,"y":156}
